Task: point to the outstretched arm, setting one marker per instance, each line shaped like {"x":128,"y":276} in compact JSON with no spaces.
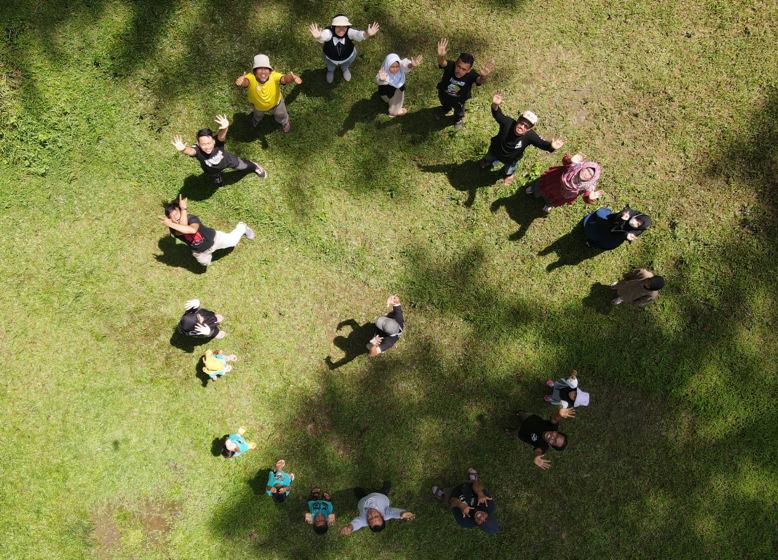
{"x":242,"y":81}
{"x":291,"y":77}
{"x":178,"y":142}
{"x":442,"y":50}
{"x":484,"y":73}
{"x":224,"y":124}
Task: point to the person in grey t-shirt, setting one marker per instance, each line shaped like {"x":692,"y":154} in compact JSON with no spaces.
{"x":373,"y":511}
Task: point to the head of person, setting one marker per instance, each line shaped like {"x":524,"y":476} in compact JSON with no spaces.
{"x":586,"y":174}
{"x":654,"y":283}
{"x":205,"y":140}
{"x":375,"y":520}
{"x":463,"y":65}
{"x":230,"y":448}
{"x":172,"y":210}
{"x":480,"y":517}
{"x":320,"y":524}
{"x":262,"y":68}
{"x":525,"y":122}
{"x":639,"y":223}
{"x":557,"y":440}
{"x":280,"y":495}
{"x":340,"y":25}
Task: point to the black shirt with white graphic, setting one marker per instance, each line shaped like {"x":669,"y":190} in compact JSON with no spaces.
{"x":507,"y":146}
{"x":199,"y":241}
{"x":217,"y":160}
{"x":464,"y":492}
{"x":457,"y":89}
{"x":531,"y":431}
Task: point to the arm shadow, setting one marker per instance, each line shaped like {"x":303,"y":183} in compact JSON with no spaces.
{"x":186,"y":343}
{"x":178,"y":255}
{"x":353,"y":345}
{"x":521,"y":208}
{"x":571,"y":249}
{"x":467,"y":176}
{"x":364,"y":110}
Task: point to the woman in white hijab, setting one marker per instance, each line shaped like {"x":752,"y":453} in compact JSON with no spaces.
{"x":391,"y":81}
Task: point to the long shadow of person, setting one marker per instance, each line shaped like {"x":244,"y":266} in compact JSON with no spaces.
{"x":200,"y":373}
{"x":178,"y":255}
{"x":521,"y":209}
{"x":364,"y":110}
{"x":186,"y":343}
{"x":571,"y":249}
{"x":314,"y":85}
{"x":419,"y":124}
{"x":242,"y":129}
{"x":217,"y":445}
{"x":467,"y":176}
{"x":201,"y":187}
{"x":353,"y":345}
{"x":599,"y":298}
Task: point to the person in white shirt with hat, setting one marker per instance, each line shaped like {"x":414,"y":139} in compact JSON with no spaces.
{"x":338,"y":44}
{"x":264,"y":91}
{"x":565,"y":393}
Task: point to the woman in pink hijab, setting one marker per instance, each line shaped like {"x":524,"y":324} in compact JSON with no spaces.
{"x":564,"y":184}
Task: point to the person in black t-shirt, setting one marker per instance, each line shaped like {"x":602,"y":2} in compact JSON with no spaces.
{"x":470,"y":503}
{"x":388,"y":329}
{"x":508,"y":145}
{"x":457,"y":81}
{"x":204,"y":241}
{"x":199,"y":322}
{"x":213,"y":158}
{"x":542,"y":434}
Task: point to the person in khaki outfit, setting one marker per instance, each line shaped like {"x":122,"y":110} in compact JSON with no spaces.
{"x":638,"y":287}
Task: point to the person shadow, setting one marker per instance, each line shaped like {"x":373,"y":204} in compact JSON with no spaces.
{"x":242,"y":130}
{"x":418,"y":125}
{"x":364,"y":110}
{"x":187,"y":343}
{"x":599,"y":298}
{"x":522,"y":209}
{"x":200,"y":373}
{"x":571,"y":249}
{"x":180,"y":255}
{"x":201,"y":187}
{"x":467,"y":176}
{"x":353,"y":345}
{"x":217,"y":445}
{"x":314,"y":85}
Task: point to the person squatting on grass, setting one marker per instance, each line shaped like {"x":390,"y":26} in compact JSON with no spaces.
{"x":564,"y":184}
{"x":216,"y":364}
{"x":565,"y":392}
{"x":373,"y":510}
{"x":209,"y":151}
{"x":508,"y":145}
{"x":391,"y":81}
{"x":388,"y":329}
{"x":470,"y":503}
{"x":457,"y":81}
{"x":338,"y":45}
{"x":320,"y":512}
{"x":279,"y":482}
{"x":203,"y":241}
{"x":264,"y":91}
{"x":605,"y":229}
{"x":542,"y":434}
{"x":638,"y":287}
{"x":198,"y":322}
{"x":236,"y":445}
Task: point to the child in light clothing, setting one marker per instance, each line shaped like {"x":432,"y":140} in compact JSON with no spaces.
{"x":216,"y":364}
{"x":391,"y":81}
{"x":236,"y":445}
{"x":566,"y":394}
{"x":279,"y":482}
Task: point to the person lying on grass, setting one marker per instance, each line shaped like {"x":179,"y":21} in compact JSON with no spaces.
{"x":542,"y":434}
{"x":209,"y":151}
{"x":216,"y":364}
{"x":374,"y":509}
{"x":457,"y":81}
{"x":565,"y":393}
{"x":388,"y":329}
{"x":279,"y":482}
{"x":508,"y":145}
{"x":391,"y":81}
{"x":320,"y":511}
{"x":235,"y":445}
{"x":470,"y":503}
{"x":338,"y":44}
{"x":203,"y":241}
{"x":198,"y":322}
{"x":264,"y":91}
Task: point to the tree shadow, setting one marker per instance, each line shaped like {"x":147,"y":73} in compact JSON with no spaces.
{"x":364,"y":110}
{"x":522,"y":209}
{"x":599,"y":298}
{"x":571,"y":249}
{"x":467,"y":176}
{"x":178,"y":255}
{"x":353,"y":345}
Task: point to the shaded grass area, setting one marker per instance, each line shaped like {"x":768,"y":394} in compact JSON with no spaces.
{"x":107,"y":430}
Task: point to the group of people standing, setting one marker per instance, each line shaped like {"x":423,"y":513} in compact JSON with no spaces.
{"x":605,"y":229}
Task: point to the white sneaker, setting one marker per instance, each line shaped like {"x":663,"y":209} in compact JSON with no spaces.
{"x":250,"y":235}
{"x":347,"y":74}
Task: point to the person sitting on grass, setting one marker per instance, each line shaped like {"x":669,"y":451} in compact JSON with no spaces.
{"x":391,"y":81}
{"x":338,"y":44}
{"x":374,"y":509}
{"x":565,"y":393}
{"x":264,"y":91}
{"x":215,"y":364}
{"x":470,"y":503}
{"x":279,"y":482}
{"x":204,"y":241}
{"x":605,"y":229}
{"x":209,"y":151}
{"x":508,"y":145}
{"x":320,"y":511}
{"x":542,"y":434}
{"x":638,"y":287}
{"x":388,"y":329}
{"x":198,"y":322}
{"x":564,"y":184}
{"x":235,"y":445}
{"x":457,"y":81}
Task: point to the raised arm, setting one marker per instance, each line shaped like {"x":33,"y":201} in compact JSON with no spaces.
{"x":291,"y":77}
{"x":224,"y":124}
{"x":242,"y":81}
{"x":562,"y":413}
{"x":442,"y":50}
{"x":484,"y":73}
{"x":497,"y":110}
{"x":178,"y":142}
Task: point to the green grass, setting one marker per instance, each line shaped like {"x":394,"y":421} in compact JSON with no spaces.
{"x":106,"y":432}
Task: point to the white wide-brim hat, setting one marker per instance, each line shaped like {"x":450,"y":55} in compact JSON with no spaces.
{"x":262,"y":61}
{"x":340,"y":21}
{"x":530,"y":117}
{"x":581,"y":398}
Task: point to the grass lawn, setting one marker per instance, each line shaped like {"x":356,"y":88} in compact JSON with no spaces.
{"x":106,"y":430}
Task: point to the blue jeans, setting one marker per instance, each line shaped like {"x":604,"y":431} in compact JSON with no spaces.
{"x":508,"y":169}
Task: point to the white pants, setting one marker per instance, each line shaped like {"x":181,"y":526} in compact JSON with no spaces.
{"x":221,"y":241}
{"x":395,"y":102}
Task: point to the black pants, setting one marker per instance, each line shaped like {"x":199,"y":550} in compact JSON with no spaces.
{"x":232,"y":162}
{"x":385,"y":489}
{"x":449,"y":103}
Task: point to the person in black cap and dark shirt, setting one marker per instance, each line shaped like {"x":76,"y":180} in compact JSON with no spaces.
{"x":457,"y":82}
{"x":508,"y":145}
{"x":470,"y":503}
{"x":209,"y":151}
{"x":204,"y":241}
{"x":388,"y":328}
{"x":542,"y":434}
{"x":199,"y":322}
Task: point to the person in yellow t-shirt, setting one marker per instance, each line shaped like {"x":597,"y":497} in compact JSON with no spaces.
{"x":264,"y":91}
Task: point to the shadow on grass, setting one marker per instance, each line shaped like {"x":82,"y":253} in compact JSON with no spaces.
{"x":420,"y":124}
{"x":570,"y":249}
{"x":200,"y":373}
{"x":201,"y":187}
{"x":599,"y":298}
{"x":178,"y":255}
{"x":522,"y":209}
{"x":354,"y":344}
{"x":363,"y":111}
{"x":467,"y":176}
